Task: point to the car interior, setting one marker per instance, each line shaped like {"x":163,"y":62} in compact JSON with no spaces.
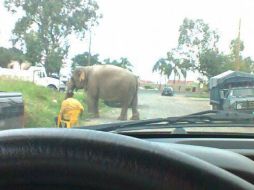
{"x":88,"y":159}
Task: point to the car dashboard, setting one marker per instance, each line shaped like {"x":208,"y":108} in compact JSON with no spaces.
{"x":235,"y":155}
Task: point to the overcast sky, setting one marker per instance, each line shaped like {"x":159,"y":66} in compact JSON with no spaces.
{"x":144,"y":30}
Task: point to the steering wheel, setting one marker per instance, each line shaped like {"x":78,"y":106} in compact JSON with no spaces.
{"x":85,"y":159}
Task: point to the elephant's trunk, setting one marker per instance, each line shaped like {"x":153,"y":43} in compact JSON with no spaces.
{"x":70,"y":88}
{"x":67,"y":95}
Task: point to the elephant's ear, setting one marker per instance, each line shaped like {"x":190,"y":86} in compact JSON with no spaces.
{"x":82,"y":76}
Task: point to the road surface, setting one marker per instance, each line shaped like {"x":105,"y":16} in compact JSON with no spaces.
{"x":153,"y":105}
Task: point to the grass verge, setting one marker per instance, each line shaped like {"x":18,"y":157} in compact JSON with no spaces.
{"x":198,"y":95}
{"x":42,"y":104}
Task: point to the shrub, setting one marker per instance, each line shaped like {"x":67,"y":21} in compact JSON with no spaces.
{"x":148,"y":87}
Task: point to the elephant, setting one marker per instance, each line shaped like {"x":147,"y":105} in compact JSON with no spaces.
{"x":107,"y":82}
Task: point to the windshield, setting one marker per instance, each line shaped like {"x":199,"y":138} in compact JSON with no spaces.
{"x":121,"y":60}
{"x":242,"y":92}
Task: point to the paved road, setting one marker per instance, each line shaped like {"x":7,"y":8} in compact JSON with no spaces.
{"x":153,"y":105}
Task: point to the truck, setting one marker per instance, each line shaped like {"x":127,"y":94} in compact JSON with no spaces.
{"x":35,"y":74}
{"x":233,"y":91}
{"x":11,"y":110}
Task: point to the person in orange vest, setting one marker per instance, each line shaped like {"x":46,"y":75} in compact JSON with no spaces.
{"x":71,"y":109}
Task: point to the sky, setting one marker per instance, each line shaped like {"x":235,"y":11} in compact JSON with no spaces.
{"x":144,"y":30}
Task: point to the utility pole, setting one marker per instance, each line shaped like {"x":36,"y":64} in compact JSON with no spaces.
{"x":89,"y":48}
{"x":238,"y":46}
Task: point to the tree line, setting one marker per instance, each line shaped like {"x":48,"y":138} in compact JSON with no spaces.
{"x":10,"y":54}
{"x":44,"y":28}
{"x":85,"y":59}
{"x":197,"y":50}
{"x":43,"y":31}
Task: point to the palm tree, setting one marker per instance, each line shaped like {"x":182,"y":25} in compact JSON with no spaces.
{"x":163,"y":67}
{"x":159,"y":66}
{"x":184,"y":67}
{"x":175,"y":63}
{"x":184,"y":73}
{"x":125,"y":63}
{"x":168,"y":70}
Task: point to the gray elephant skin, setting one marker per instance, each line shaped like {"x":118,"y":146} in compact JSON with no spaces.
{"x":107,"y":82}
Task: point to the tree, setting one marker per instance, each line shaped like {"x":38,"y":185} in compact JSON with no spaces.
{"x":196,"y":38}
{"x":11,"y":54}
{"x":168,"y":70}
{"x":159,"y":66}
{"x":5,"y":57}
{"x":83,"y":59}
{"x":16,"y":54}
{"x":233,"y":47}
{"x":245,"y":64}
{"x":197,"y":50}
{"x":184,"y":67}
{"x":33,"y":48}
{"x":229,"y":61}
{"x":213,"y":63}
{"x":163,"y":67}
{"x":123,"y":63}
{"x":175,"y":63}
{"x":107,"y":61}
{"x":54,"y":22}
{"x":55,"y":58}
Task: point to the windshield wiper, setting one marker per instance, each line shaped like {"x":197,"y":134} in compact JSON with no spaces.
{"x":204,"y":117}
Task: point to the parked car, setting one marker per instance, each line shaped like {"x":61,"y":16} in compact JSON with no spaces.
{"x":167,"y":91}
{"x":11,"y":110}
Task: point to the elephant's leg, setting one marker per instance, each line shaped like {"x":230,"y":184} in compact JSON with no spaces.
{"x":123,"y":115}
{"x":97,"y":115}
{"x":134,"y":105}
{"x":91,"y":105}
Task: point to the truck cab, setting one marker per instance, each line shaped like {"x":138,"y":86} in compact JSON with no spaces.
{"x":240,"y":99}
{"x":35,"y":74}
{"x":41,"y":78}
{"x":232,"y":90}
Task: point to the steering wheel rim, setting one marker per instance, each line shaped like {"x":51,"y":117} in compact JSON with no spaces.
{"x":67,"y":158}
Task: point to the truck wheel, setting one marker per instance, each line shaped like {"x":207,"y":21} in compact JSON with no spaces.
{"x":52,"y":87}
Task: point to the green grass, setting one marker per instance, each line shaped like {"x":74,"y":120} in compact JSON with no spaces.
{"x":41,"y":104}
{"x":199,"y":95}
